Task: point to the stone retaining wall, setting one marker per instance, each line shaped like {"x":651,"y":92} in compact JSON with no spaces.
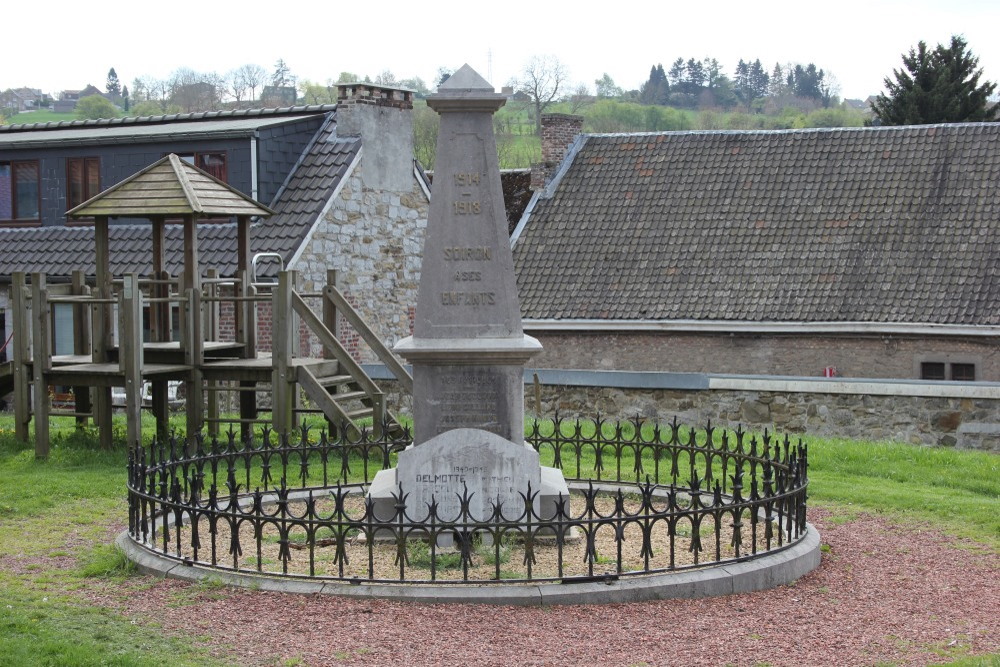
{"x":959,"y":415}
{"x":950,"y":422}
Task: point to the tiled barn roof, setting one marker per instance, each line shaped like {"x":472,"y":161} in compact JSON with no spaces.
{"x":893,"y":225}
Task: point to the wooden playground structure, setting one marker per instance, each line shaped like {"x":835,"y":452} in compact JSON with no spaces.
{"x":207,"y":363}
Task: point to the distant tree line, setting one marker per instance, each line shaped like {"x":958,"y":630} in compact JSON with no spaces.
{"x":702,"y":84}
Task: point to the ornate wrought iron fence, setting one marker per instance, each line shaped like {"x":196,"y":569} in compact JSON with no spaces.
{"x":648,"y":499}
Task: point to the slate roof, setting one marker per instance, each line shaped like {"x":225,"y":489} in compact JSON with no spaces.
{"x":171,"y":127}
{"x":890,"y":225}
{"x":58,"y":251}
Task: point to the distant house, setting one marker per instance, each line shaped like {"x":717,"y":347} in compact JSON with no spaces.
{"x":861,"y":252}
{"x":68,"y":98}
{"x":21,"y":99}
{"x":340,"y":178}
{"x":279,"y":96}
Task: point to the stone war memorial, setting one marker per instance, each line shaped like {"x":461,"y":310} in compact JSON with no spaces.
{"x":475,"y":503}
{"x":468,"y":349}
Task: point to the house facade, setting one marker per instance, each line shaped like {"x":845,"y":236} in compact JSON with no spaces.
{"x":47,"y":169}
{"x":341,"y":180}
{"x":854,"y":252}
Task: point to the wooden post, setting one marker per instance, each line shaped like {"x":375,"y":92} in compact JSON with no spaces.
{"x":130,"y":354}
{"x":194,"y":358}
{"x":282,"y":348}
{"x":246,"y":333}
{"x":210,"y":311}
{"x":159,"y":332}
{"x":330,"y":313}
{"x":22,"y":357}
{"x":81,"y":346}
{"x":157,"y":310}
{"x":41,"y":362}
{"x":101,"y":325}
{"x":330,"y":322}
{"x":246,"y":316}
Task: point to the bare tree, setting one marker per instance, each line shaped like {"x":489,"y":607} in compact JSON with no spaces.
{"x":193,"y":91}
{"x":252,"y":77}
{"x":541,"y":80}
{"x":386,"y":78}
{"x":236,"y":86}
{"x":580,"y":98}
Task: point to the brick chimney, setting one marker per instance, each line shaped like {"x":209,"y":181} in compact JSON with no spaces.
{"x":558,"y":132}
{"x":383,"y":117}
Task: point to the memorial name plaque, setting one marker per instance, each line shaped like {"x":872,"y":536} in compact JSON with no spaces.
{"x":489,"y":468}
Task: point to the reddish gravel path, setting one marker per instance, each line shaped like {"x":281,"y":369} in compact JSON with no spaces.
{"x":884,"y":593}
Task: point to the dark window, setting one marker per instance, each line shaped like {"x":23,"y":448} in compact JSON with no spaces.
{"x":213,"y":163}
{"x":963,"y":372}
{"x":19,"y":191}
{"x":83,"y":178}
{"x":932,"y":370}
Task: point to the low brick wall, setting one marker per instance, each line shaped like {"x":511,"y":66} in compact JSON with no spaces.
{"x":964,"y":415}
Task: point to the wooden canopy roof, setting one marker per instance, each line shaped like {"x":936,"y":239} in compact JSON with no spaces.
{"x":170,"y":187}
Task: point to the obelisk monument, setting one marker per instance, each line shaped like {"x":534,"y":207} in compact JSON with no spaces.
{"x":468,"y":349}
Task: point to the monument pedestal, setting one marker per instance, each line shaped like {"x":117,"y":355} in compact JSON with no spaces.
{"x":468,"y":383}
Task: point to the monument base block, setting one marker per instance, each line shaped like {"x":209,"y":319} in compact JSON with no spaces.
{"x":465,"y":474}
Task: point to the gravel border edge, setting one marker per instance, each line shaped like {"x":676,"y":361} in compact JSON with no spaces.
{"x":765,"y":572}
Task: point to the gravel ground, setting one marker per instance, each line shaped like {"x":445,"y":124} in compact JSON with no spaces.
{"x":886,"y":593}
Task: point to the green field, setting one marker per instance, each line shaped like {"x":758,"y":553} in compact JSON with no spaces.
{"x":29,"y":117}
{"x":74,"y":496}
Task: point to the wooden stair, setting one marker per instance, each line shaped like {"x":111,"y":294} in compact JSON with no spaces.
{"x":343,"y":399}
{"x":337,"y":385}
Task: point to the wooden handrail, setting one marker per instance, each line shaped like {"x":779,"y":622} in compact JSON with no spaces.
{"x":328,"y":339}
{"x":374,"y":342}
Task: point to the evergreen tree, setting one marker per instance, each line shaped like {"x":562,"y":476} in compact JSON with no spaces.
{"x":656,"y":88}
{"x":939,"y":86}
{"x":713,"y":73}
{"x":113,"y":86}
{"x":695,"y":76}
{"x":282,"y":74}
{"x":807,"y":82}
{"x":678,"y":73}
{"x":125,"y":100}
{"x":777,"y":87}
{"x":751,"y":81}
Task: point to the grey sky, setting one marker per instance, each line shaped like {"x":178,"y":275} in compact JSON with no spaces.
{"x":68,"y":45}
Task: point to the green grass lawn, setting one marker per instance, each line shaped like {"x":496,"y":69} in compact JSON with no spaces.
{"x":41,"y":116}
{"x":59,"y":510}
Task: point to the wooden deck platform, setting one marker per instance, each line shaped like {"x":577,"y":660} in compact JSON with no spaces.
{"x":110,"y":375}
{"x":79,"y":369}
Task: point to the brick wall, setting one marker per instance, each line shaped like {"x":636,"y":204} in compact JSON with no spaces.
{"x":764,"y":354}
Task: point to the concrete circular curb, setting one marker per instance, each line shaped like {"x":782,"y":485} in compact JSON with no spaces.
{"x":761,"y":573}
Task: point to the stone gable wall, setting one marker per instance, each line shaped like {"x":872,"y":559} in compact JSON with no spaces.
{"x":374,"y":239}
